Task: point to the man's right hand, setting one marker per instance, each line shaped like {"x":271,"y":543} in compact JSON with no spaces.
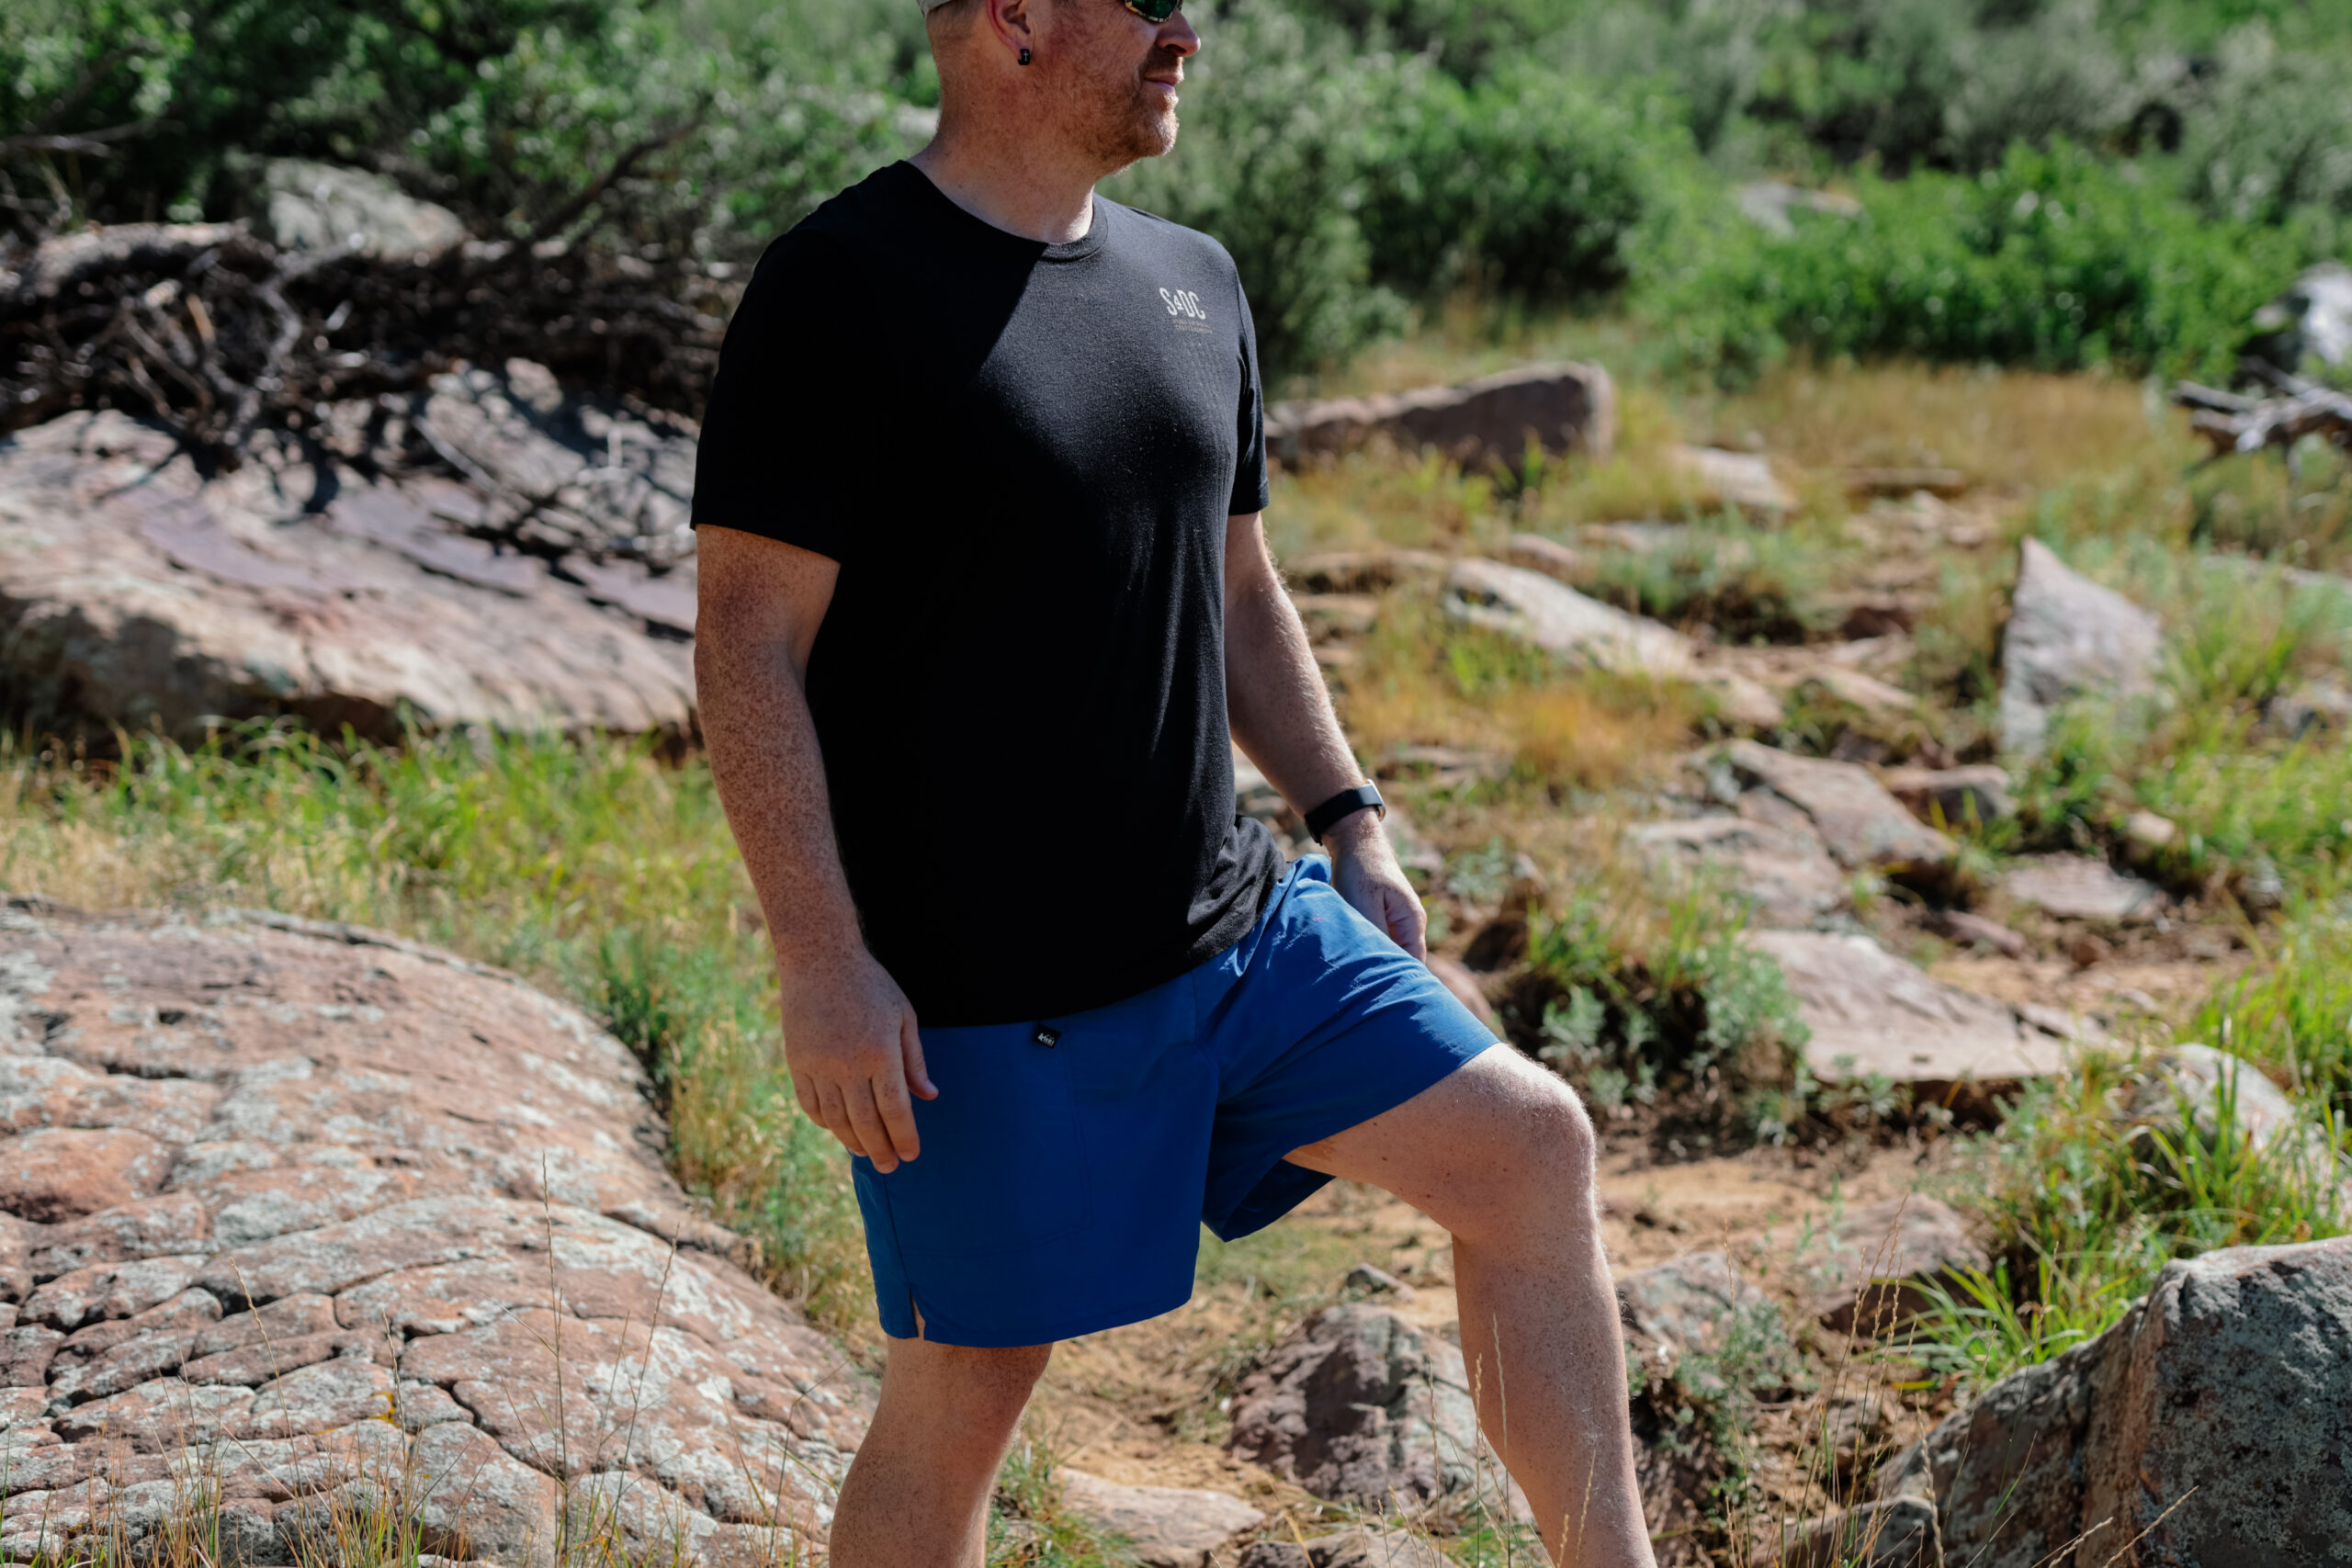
{"x":850,"y":1042}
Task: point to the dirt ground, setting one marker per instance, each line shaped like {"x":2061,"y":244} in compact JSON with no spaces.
{"x":1143,"y":1405}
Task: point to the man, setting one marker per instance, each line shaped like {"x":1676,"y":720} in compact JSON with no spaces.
{"x":983,"y":592}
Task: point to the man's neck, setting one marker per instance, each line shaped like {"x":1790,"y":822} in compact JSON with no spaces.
{"x":1006,"y":179}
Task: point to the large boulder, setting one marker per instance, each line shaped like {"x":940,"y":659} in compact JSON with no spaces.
{"x":2069,"y":638}
{"x":2209,"y":1425}
{"x":136,"y":594}
{"x":345,"y":1212}
{"x":1865,"y":827}
{"x":1560,"y":408}
{"x":327,"y":207}
{"x":1870,"y":1013}
{"x":1359,"y":1406}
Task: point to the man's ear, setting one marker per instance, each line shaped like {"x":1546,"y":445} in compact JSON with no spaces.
{"x":1015,"y":25}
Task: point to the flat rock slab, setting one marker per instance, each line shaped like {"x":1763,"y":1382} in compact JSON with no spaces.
{"x":2081,"y":887}
{"x":1742,"y":479}
{"x":1558,"y":408}
{"x":2069,"y":638}
{"x":2207,"y":1426}
{"x":1563,"y":622}
{"x":1165,"y":1527}
{"x":1863,"y":825}
{"x":1783,"y":869}
{"x":136,"y":594}
{"x":1871,"y":1012}
{"x":264,"y":1183}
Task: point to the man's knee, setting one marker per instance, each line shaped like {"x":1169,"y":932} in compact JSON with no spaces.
{"x":986,"y":1387}
{"x":1541,"y":1151}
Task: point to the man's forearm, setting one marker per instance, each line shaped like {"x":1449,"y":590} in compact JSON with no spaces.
{"x":771,"y":777}
{"x":1280,"y":712}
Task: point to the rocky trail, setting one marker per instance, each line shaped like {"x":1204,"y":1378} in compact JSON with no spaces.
{"x":321,"y":1222}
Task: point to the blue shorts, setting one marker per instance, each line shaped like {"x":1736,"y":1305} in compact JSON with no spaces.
{"x":1062,"y":1185}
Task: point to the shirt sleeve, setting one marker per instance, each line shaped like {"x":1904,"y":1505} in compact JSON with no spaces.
{"x":778,"y":454}
{"x":1250,"y":491}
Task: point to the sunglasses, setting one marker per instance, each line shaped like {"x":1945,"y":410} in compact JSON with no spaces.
{"x":1154,"y":10}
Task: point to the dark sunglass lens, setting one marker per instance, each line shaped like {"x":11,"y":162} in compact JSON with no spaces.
{"x":1154,"y":10}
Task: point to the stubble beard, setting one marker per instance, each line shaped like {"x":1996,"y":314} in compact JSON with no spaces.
{"x":1124,"y":119}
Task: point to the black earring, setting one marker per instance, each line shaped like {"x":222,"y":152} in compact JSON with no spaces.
{"x":1025,"y":57}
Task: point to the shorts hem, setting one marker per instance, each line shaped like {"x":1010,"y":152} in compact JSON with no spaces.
{"x":934,"y":1332}
{"x":1242,"y":1220}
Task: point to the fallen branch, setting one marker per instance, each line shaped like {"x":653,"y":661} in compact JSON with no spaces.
{"x":2233,"y":422}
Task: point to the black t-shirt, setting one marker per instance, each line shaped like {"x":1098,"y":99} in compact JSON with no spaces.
{"x":1023,"y":455}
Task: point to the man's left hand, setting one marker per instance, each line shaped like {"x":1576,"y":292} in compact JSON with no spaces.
{"x":1365,"y":870}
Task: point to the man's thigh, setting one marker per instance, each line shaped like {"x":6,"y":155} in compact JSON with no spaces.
{"x":1475,"y":1148}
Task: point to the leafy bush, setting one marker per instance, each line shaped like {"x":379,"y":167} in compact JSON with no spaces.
{"x":1273,"y":163}
{"x":1529,"y":184}
{"x":1689,"y":1009}
{"x":2053,"y":260}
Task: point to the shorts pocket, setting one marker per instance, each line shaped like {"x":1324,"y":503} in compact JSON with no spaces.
{"x":1000,"y":1167}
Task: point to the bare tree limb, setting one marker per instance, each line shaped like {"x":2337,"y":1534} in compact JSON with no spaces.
{"x":560,"y":218}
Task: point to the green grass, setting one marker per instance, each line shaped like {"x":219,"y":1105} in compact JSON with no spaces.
{"x":2086,"y":1208}
{"x":589,"y":865}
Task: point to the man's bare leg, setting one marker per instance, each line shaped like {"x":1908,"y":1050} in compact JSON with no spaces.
{"x":1501,"y":1154}
{"x":917,"y":1496}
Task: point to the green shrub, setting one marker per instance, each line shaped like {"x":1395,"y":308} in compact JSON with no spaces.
{"x":2053,"y":260}
{"x":1531,"y":183}
{"x":1271,"y":162}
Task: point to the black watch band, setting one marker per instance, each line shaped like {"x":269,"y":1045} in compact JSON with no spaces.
{"x":1347,"y":803}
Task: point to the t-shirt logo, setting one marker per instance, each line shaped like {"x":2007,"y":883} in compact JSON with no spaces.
{"x":1185,"y":307}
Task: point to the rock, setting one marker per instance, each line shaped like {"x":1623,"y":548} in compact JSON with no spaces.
{"x":1331,"y":615}
{"x":1364,"y":1546}
{"x":2079,"y":887}
{"x":1357,"y":1404}
{"x":1783,"y":870}
{"x":425,"y":1198}
{"x":1959,"y":925}
{"x":2207,"y":1426}
{"x":2146,"y":832}
{"x":1881,"y":1258}
{"x":1952,"y":796}
{"x":1689,"y":1304}
{"x":136,"y":594}
{"x":1166,"y":1526}
{"x":1898,"y":1532}
{"x":1561,"y":621}
{"x":1549,"y":557}
{"x":64,"y":1173}
{"x":1361,"y":571}
{"x":324,"y":207}
{"x":1457,"y":977}
{"x":2307,"y":331}
{"x":1871,"y":1012}
{"x":1560,"y":408}
{"x":1767,"y":203}
{"x":1366,"y":1279}
{"x":2316,"y":707}
{"x":1741,"y":480}
{"x":2185,"y":1091}
{"x":2069,"y":638}
{"x":1863,"y":826}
